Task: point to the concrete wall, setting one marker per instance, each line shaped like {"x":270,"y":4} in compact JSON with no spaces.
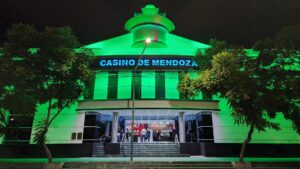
{"x":225,"y":131}
{"x":60,"y":131}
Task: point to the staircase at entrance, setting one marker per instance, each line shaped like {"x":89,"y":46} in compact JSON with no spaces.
{"x":154,"y":149}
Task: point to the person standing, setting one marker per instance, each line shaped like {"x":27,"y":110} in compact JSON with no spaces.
{"x":127,"y":135}
{"x":170,"y":134}
{"x":143,"y":132}
{"x":148,"y":135}
{"x":174,"y":134}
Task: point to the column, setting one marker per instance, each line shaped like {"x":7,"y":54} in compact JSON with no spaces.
{"x":181,"y":123}
{"x":114,"y":131}
{"x":107,"y":127}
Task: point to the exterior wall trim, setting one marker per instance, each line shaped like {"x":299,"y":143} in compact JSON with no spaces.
{"x":147,"y":104}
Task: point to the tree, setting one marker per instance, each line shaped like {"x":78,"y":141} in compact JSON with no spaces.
{"x":257,"y":89}
{"x":203,"y":58}
{"x":235,"y":77}
{"x":56,"y":73}
{"x":16,"y":84}
{"x":3,"y":122}
{"x":187,"y":86}
{"x":279,"y":61}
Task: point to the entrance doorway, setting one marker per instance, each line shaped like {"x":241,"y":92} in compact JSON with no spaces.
{"x":151,"y":130}
{"x":158,"y":125}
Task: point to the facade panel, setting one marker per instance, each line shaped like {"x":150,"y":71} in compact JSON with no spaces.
{"x":124,"y":85}
{"x":148,"y":85}
{"x":171,"y":83}
{"x":101,"y":85}
{"x":68,"y":122}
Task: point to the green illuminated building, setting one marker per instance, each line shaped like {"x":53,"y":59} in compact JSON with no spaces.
{"x":107,"y":109}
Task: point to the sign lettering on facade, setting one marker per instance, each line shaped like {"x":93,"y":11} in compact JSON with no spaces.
{"x":148,"y":62}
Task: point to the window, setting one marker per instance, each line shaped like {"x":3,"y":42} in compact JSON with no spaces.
{"x":73,"y":136}
{"x":79,"y":136}
{"x":19,"y":128}
{"x":160,"y":85}
{"x":205,"y":127}
{"x":90,"y":133}
{"x":112,"y":85}
{"x":137,"y":79}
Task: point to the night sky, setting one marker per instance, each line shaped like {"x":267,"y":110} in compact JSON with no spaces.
{"x":236,"y":21}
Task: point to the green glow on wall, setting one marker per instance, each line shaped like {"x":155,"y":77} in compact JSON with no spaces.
{"x":149,"y":15}
{"x":171,"y":83}
{"x":226,"y":131}
{"x":101,"y":85}
{"x":124,"y":85}
{"x":148,"y":85}
{"x":156,"y":33}
{"x":122,"y":45}
{"x":224,"y":128}
{"x":62,"y":127}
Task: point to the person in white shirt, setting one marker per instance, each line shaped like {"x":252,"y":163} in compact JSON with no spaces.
{"x":144,"y":132}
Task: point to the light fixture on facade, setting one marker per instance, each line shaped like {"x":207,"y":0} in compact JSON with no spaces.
{"x":148,"y":40}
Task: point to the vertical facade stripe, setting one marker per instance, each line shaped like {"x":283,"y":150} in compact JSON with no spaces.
{"x":124,"y":85}
{"x":101,"y":85}
{"x":112,"y":84}
{"x":148,"y":84}
{"x":171,"y":83}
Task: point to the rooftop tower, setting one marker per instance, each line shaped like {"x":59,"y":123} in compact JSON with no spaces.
{"x":149,"y":24}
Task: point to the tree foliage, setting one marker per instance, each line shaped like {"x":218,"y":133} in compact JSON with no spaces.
{"x":203,"y":58}
{"x":256,"y":88}
{"x":239,"y":79}
{"x":233,"y":78}
{"x":279,"y":70}
{"x":47,"y":69}
{"x":16,"y":81}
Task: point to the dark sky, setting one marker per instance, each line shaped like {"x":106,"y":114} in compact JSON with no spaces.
{"x":237,"y":21}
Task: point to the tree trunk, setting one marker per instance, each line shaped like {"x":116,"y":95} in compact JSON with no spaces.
{"x":48,"y":153}
{"x":247,"y":140}
{"x":46,"y":149}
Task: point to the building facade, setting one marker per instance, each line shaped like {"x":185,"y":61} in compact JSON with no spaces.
{"x":105,"y":112}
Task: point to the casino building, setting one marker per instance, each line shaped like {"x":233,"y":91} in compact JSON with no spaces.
{"x":199,"y":126}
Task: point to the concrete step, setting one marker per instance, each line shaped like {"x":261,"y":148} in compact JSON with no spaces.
{"x":146,"y":149}
{"x":150,"y":165}
{"x":98,"y":150}
{"x":150,"y":155}
{"x":152,"y":150}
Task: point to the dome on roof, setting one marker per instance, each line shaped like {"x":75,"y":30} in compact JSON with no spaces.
{"x":149,"y":24}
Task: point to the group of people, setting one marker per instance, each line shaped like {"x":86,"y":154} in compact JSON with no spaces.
{"x":145,"y":135}
{"x":141,"y":134}
{"x":172,"y":133}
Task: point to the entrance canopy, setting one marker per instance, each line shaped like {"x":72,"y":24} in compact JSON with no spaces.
{"x":148,"y":104}
{"x":148,"y":114}
{"x":151,"y":112}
